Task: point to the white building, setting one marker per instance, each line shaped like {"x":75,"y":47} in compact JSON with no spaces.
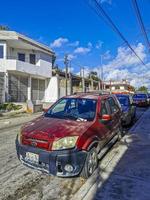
{"x":118,"y":86}
{"x":27,"y":68}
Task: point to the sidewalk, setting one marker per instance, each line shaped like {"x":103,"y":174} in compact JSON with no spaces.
{"x":16,"y":120}
{"x":124,"y":173}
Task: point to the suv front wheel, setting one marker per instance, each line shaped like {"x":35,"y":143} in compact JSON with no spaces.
{"x":91,"y":163}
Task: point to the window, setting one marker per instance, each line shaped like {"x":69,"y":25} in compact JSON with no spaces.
{"x":117,"y":87}
{"x":60,"y":107}
{"x":74,"y":109}
{"x":104,"y":110}
{"x":32,"y":59}
{"x":1,"y":51}
{"x":112,"y":105}
{"x":124,"y":101}
{"x":21,"y":57}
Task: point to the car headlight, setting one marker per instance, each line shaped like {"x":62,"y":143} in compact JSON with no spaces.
{"x":19,"y":137}
{"x":65,"y":143}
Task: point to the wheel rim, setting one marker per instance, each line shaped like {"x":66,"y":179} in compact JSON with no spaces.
{"x":92,"y":163}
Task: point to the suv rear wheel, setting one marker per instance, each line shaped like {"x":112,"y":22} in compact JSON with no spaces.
{"x":90,"y":163}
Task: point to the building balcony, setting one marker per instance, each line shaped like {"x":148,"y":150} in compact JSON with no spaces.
{"x":42,"y":68}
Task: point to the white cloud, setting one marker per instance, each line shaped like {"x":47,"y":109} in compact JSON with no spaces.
{"x":99,"y":44}
{"x":86,"y":71}
{"x":71,"y":56}
{"x":74,"y":44}
{"x":106,"y":55}
{"x":82,"y":50}
{"x":127,"y":66}
{"x":58,"y":42}
{"x":89,"y":45}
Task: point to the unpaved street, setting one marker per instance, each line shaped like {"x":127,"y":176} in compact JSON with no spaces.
{"x":19,"y":182}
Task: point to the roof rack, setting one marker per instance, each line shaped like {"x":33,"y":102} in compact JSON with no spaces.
{"x":98,"y":92}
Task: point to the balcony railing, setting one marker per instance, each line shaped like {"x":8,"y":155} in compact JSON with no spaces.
{"x":27,"y":59}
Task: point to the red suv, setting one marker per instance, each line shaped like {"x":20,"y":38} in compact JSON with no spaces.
{"x":68,"y":139}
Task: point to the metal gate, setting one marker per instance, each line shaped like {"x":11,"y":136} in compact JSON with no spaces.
{"x":18,"y":86}
{"x":38,"y":89}
{"x":1,"y":86}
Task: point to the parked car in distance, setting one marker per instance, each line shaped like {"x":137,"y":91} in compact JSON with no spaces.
{"x":128,"y":109}
{"x":140,"y":99}
{"x":148,"y":98}
{"x":68,"y":139}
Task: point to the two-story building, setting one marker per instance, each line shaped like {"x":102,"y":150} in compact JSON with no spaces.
{"x":118,"y":87}
{"x":25,"y":69}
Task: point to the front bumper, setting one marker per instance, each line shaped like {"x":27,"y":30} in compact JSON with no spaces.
{"x":53,"y":162}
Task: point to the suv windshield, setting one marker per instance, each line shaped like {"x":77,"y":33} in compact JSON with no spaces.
{"x":124,"y":101}
{"x":73,"y":108}
{"x":144,"y":96}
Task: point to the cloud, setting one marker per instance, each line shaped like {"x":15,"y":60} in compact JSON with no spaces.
{"x":127,"y":66}
{"x":125,"y":58}
{"x":82,"y":50}
{"x":89,"y":45}
{"x":86,"y":70}
{"x":74,"y":44}
{"x":71,"y":56}
{"x":59,"y":42}
{"x":99,"y":44}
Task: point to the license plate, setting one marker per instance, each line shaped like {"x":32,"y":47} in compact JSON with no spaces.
{"x":32,"y":157}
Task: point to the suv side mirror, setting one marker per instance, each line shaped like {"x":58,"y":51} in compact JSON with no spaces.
{"x":106,"y":118}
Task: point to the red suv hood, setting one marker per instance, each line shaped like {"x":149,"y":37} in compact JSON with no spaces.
{"x":53,"y":128}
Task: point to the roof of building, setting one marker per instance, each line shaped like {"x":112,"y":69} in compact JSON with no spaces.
{"x":13,"y":35}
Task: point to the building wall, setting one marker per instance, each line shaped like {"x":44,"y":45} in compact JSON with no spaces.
{"x":2,"y":90}
{"x":12,"y":53}
{"x":52,"y":89}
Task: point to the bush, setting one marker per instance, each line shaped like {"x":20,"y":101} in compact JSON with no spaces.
{"x":10,"y":106}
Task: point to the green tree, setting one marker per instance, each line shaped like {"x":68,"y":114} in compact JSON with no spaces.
{"x":143,"y":89}
{"x":93,"y":75}
{"x":4,"y":28}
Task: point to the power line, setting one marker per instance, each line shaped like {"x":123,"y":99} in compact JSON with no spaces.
{"x":139,"y":18}
{"x":101,"y":13}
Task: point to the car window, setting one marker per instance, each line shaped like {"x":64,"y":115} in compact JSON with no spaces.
{"x":59,"y":107}
{"x":140,"y":96}
{"x":112,"y":105}
{"x":74,"y":109}
{"x":124,"y":101}
{"x":104,"y":110}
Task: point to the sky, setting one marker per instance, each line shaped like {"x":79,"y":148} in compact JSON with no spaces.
{"x":72,"y":27}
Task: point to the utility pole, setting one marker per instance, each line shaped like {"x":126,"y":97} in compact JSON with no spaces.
{"x":83,"y":81}
{"x":101,"y":56}
{"x":66,"y":73}
{"x":70,"y":79}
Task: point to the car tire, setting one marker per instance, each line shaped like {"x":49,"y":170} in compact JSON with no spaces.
{"x":91,"y":163}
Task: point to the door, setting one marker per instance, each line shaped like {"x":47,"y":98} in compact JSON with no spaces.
{"x":115,"y":114}
{"x":104,"y":127}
